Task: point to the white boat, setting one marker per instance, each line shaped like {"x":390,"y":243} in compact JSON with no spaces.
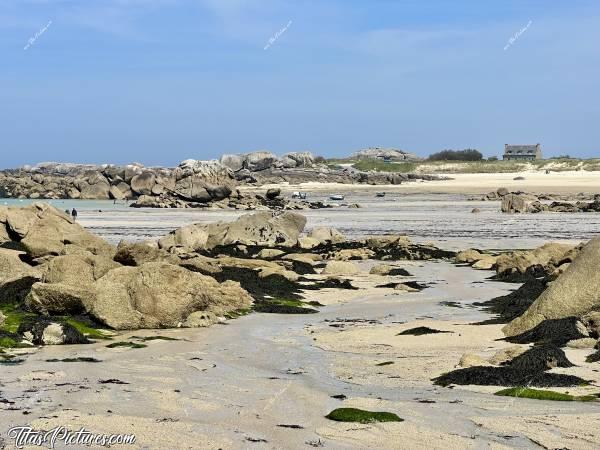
{"x":336,"y":197}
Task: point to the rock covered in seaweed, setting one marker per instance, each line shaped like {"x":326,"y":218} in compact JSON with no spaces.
{"x":574,"y":293}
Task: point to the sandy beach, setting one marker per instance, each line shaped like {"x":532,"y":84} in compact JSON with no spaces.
{"x":267,"y":381}
{"x":535,"y":181}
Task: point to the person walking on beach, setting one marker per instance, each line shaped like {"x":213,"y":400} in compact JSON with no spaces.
{"x":74,"y":214}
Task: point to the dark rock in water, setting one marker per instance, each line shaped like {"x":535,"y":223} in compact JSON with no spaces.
{"x":555,"y":331}
{"x":420,"y":331}
{"x":45,"y":331}
{"x":512,"y":305}
{"x":527,"y":369}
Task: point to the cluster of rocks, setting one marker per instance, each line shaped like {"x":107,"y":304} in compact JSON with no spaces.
{"x":191,"y":181}
{"x":264,"y":167}
{"x":550,"y":259}
{"x":51,"y":268}
{"x":271,"y":200}
{"x":523,"y":202}
{"x":389,"y":154}
{"x":192,"y":184}
{"x":345,"y":175}
{"x":262,"y":160}
{"x":556,"y":306}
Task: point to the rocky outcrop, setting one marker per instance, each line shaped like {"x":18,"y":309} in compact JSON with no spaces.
{"x":520,"y":203}
{"x":574,"y":293}
{"x":263,"y":160}
{"x":41,"y":230}
{"x":195,"y":276}
{"x":158,"y":295}
{"x":385,"y":153}
{"x":192,"y":181}
{"x":259,"y":229}
{"x":540,"y":262}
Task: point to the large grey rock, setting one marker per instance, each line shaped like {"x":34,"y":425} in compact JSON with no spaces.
{"x":300,"y":159}
{"x":41,"y":230}
{"x":97,"y":191}
{"x":546,"y":257}
{"x":574,"y":293}
{"x":116,"y":193}
{"x":262,"y":160}
{"x":143,"y":183}
{"x":193,"y":188}
{"x":234,"y":162}
{"x":157,"y":295}
{"x":388,"y":153}
{"x":261,"y":229}
{"x":520,"y":203}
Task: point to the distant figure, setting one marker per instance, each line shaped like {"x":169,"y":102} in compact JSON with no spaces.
{"x":67,"y":212}
{"x":74,"y":214}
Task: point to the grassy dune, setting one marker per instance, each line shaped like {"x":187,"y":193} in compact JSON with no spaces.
{"x":553,"y":165}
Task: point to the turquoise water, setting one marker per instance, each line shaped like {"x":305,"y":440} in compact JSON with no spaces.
{"x":88,"y":205}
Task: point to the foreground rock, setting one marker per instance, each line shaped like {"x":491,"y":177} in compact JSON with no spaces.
{"x":574,"y":293}
{"x":159,"y":295}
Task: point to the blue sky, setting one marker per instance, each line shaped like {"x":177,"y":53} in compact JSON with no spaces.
{"x":159,"y":81}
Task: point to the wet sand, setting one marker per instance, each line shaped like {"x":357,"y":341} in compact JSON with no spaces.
{"x":234,"y":385}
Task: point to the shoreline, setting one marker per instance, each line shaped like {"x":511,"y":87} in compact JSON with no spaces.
{"x":567,"y":182}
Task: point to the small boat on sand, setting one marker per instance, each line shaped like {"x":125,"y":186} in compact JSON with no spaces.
{"x":336,"y":197}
